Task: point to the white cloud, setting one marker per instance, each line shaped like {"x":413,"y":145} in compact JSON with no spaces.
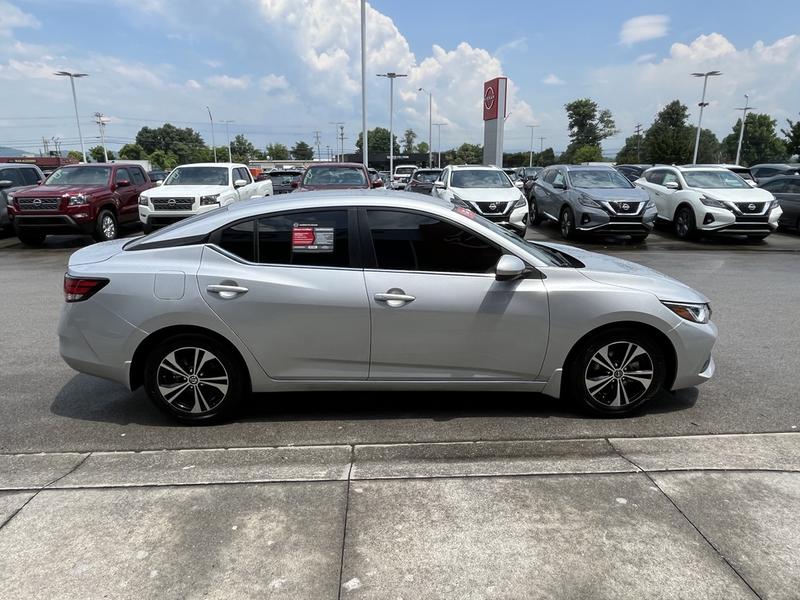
{"x":643,"y":28}
{"x":644,"y":58}
{"x":229,"y":83}
{"x":273,"y":82}
{"x":214,"y":64}
{"x":12,"y":18}
{"x":193,"y":85}
{"x":553,"y":79}
{"x":703,"y":48}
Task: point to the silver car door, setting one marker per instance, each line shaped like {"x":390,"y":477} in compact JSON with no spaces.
{"x":291,"y":296}
{"x":437,"y":310}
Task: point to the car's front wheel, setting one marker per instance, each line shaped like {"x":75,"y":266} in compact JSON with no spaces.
{"x":105,"y":228}
{"x":685,"y":227}
{"x":534,"y":218}
{"x":616,"y":372}
{"x":567,"y":223}
{"x":194,"y":378}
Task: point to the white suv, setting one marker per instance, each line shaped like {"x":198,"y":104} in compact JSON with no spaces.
{"x":710,"y":200}
{"x":402,"y":175}
{"x":197,"y":188}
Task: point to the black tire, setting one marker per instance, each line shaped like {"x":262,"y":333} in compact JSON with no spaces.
{"x":147,"y":228}
{"x":757,"y":238}
{"x":612,"y":387}
{"x":566,"y":223}
{"x":195,"y":401}
{"x":106,"y":227}
{"x":534,"y":217}
{"x":31,"y":238}
{"x":638,"y":239}
{"x":685,"y":227}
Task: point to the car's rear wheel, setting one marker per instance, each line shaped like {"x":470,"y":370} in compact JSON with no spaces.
{"x":31,"y":238}
{"x":194,"y":378}
{"x":616,"y":372}
{"x":567,"y":223}
{"x":534,"y":218}
{"x":685,"y":227}
{"x":105,"y":228}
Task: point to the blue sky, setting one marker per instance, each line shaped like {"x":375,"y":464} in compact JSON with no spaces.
{"x":281,"y":69}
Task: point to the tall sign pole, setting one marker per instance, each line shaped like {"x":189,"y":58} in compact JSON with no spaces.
{"x":494,"y":117}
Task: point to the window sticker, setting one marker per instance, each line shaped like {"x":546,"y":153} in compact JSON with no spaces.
{"x":312,"y":238}
{"x":466,"y":212}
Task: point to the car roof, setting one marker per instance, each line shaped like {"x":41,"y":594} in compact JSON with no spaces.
{"x":484,"y":167}
{"x":17,"y":165}
{"x":349,"y":165}
{"x":212,"y":164}
{"x":585,"y":167}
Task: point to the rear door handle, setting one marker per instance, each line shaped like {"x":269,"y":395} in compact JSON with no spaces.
{"x":394,"y":298}
{"x":227,"y":291}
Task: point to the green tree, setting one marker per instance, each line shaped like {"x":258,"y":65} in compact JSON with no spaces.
{"x":186,"y":144}
{"x":629,"y":153}
{"x":469,"y":154}
{"x":669,"y":140}
{"x":760,"y":144}
{"x":278,"y":152}
{"x":302,"y":151}
{"x":587,"y":154}
{"x":132,"y":152}
{"x":242,"y":149}
{"x":75,"y":155}
{"x":422,"y":148}
{"x":98,"y":154}
{"x":378,"y":141}
{"x":545,"y":158}
{"x":587,"y":125}
{"x":512,"y":160}
{"x":163,"y":160}
{"x":792,"y":137}
{"x":408,"y":141}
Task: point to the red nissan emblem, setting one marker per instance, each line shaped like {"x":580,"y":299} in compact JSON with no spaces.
{"x":488,"y":98}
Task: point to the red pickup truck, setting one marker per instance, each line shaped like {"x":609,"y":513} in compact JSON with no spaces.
{"x":92,"y":199}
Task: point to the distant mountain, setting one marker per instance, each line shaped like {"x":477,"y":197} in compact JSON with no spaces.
{"x":7,"y":151}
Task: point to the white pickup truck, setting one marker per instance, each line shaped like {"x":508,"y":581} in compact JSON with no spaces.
{"x":197,"y":188}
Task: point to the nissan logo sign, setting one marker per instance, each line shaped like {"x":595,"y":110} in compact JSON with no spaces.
{"x":171,"y":201}
{"x":626,"y":206}
{"x":493,"y":207}
{"x":488,"y":98}
{"x":37,"y":202}
{"x":751,"y":207}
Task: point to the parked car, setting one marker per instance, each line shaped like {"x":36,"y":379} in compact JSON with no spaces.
{"x":386,"y":177}
{"x":632,"y":172}
{"x":15,"y":177}
{"x":595,"y":200}
{"x":710,"y":200}
{"x":528,"y":175}
{"x":786,"y":189}
{"x":197,"y":188}
{"x":282,"y":180}
{"x":91,"y":199}
{"x":158,"y":176}
{"x":764,"y":171}
{"x":270,"y":296}
{"x":402,"y":173}
{"x":512,"y":175}
{"x":334,"y":176}
{"x":375,"y":178}
{"x":741,"y":171}
{"x":422,"y":180}
{"x":488,"y":191}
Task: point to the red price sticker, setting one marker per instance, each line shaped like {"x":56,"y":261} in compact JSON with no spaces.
{"x":302,"y":236}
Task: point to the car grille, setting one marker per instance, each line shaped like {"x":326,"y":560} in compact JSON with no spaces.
{"x":625,"y":208}
{"x":491,"y":208}
{"x":752,"y":218}
{"x":172,"y":203}
{"x":750,"y":207}
{"x":39,"y":203}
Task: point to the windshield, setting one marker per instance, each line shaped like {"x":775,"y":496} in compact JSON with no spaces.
{"x":480,"y":178}
{"x":426,"y":176}
{"x":714,"y":180}
{"x":744,"y":174}
{"x":284,"y":178}
{"x":79,"y":176}
{"x":599,"y":179}
{"x":198,"y":176}
{"x":334,"y":176}
{"x":405,"y":170}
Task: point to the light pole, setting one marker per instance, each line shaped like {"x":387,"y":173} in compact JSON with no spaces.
{"x":213,"y":142}
{"x":430,"y":126}
{"x":391,"y":77}
{"x":72,"y":78}
{"x":336,"y":125}
{"x":227,"y":133}
{"x":744,"y":110}
{"x":702,"y":105}
{"x":364,"y":134}
{"x":530,"y":158}
{"x":439,"y":144}
{"x":541,"y":144}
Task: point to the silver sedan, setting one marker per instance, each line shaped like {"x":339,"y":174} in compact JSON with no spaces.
{"x":373,"y":290}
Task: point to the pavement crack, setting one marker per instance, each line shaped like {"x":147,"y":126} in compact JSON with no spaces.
{"x":344,"y":525}
{"x":686,"y":517}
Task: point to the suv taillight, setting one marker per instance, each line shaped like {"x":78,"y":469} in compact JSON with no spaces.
{"x":77,"y":289}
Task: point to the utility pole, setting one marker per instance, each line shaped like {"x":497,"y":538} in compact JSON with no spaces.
{"x":213,"y":143}
{"x":530,"y":158}
{"x":101,"y":123}
{"x":744,"y":110}
{"x":430,"y":126}
{"x":336,"y":125}
{"x":541,"y":144}
{"x":364,"y":132}
{"x":638,"y":142}
{"x":341,"y":138}
{"x":46,"y":148}
{"x":228,"y":135}
{"x":391,"y":77}
{"x":702,"y":104}
{"x":316,"y":143}
{"x":439,"y":143}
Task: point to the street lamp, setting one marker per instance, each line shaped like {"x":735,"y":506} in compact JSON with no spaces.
{"x":337,"y":124}
{"x":744,"y":110}
{"x":213,"y":142}
{"x":72,"y":78}
{"x":364,"y":133}
{"x":430,"y":126}
{"x":439,"y":143}
{"x":702,"y":105}
{"x":391,"y":77}
{"x":227,"y":133}
{"x":530,"y":159}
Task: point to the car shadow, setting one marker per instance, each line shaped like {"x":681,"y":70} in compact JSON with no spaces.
{"x":89,"y":398}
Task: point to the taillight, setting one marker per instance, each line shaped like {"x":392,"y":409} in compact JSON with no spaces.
{"x":77,"y":289}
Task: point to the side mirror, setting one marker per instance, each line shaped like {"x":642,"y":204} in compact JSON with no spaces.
{"x":672,"y":185}
{"x":439,"y":185}
{"x":378,"y":183}
{"x":159,"y":182}
{"x":295,"y":183}
{"x":123,"y":183}
{"x":509,"y":267}
{"x":6,"y":183}
{"x":519,"y":184}
{"x":240,"y":183}
{"x":559,"y":185}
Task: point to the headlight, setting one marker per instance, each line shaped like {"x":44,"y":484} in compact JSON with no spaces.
{"x":588,"y":202}
{"x":650,"y":204}
{"x":520,"y":203}
{"x":208,"y":200}
{"x":79,"y":200}
{"x":143,"y":201}
{"x":697,"y":313}
{"x":775,"y":204}
{"x":711,"y":202}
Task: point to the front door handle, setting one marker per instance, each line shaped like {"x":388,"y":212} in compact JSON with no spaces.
{"x":395,"y":298}
{"x":227,"y":291}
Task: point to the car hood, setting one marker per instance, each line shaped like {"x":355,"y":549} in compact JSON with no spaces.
{"x":624,"y":273}
{"x":97,"y":252}
{"x":509,"y":194}
{"x":51,"y":191}
{"x":738,"y":195}
{"x":616,"y":194}
{"x":176,"y":191}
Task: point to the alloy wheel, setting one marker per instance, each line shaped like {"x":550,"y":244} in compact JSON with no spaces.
{"x":566,"y":224}
{"x":619,"y":373}
{"x":192,"y":380}
{"x":109,"y":227}
{"x":682,"y":224}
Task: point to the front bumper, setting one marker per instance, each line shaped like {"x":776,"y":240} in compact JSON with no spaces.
{"x":516,"y":220}
{"x":693,"y":343}
{"x":721,"y":221}
{"x":159,"y":218}
{"x":597,"y":221}
{"x":53,"y":224}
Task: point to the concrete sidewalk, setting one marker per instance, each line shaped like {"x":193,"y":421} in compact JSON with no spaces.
{"x":690,"y":517}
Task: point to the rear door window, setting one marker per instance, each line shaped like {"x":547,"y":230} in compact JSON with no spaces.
{"x":13,"y":175}
{"x":122,"y":175}
{"x":656,"y":177}
{"x":316,"y":238}
{"x":31,"y":176}
{"x":138,"y":176}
